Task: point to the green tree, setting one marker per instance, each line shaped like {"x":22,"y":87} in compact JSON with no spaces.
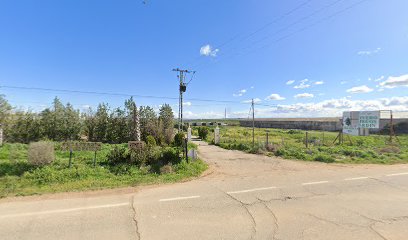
{"x":166,"y":118}
{"x":131,"y":115}
{"x":148,"y":123}
{"x":89,"y":124}
{"x":117,"y":129}
{"x":71,"y":128}
{"x":4,"y":109}
{"x":101,"y":122}
{"x":24,"y":127}
{"x":52,"y":121}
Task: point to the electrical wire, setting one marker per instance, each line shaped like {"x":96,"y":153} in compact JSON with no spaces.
{"x":118,"y":94}
{"x":260,"y":29}
{"x":287,"y":27}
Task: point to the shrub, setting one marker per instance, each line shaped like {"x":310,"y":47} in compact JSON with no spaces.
{"x":166,"y":169}
{"x":272,"y":147}
{"x":179,"y":139}
{"x":203,"y":132}
{"x":293,"y":131}
{"x":118,"y":155}
{"x":170,"y":155}
{"x":150,"y":141}
{"x":41,"y":153}
{"x":324,"y":158}
{"x":390,"y":149}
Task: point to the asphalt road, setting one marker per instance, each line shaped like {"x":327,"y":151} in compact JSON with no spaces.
{"x":243,"y":196}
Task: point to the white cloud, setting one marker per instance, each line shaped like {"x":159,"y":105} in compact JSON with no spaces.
{"x":252,"y":87}
{"x":343,"y":82}
{"x":393,"y":82}
{"x":379,"y":79}
{"x":240,"y":93}
{"x":304,"y":95}
{"x":208,"y":51}
{"x":274,"y":96}
{"x":319,"y":83}
{"x":256,"y":100}
{"x":290,"y":82}
{"x":326,"y":108}
{"x":187,"y":104}
{"x":335,"y":107}
{"x":369,"y":52}
{"x":86,"y":107}
{"x":303,"y":84}
{"x":360,"y":89}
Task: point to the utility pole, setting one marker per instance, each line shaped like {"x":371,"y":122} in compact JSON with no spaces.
{"x":253,"y":123}
{"x":225,"y":114}
{"x":182,"y":89}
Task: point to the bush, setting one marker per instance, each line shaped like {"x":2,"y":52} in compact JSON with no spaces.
{"x":166,"y":169}
{"x":390,"y":149}
{"x":150,"y":141}
{"x":293,"y":131}
{"x":324,"y":158}
{"x":170,"y":155}
{"x":203,"y":132}
{"x":41,"y":153}
{"x":179,"y":139}
{"x":118,"y":155}
{"x":147,"y":156}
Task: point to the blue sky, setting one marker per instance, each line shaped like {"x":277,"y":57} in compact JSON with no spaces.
{"x":297,"y":58}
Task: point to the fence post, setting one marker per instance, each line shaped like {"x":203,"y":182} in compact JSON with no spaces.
{"x":70,"y":157}
{"x":267,"y":139}
{"x":94,"y":160}
{"x":186,"y":148}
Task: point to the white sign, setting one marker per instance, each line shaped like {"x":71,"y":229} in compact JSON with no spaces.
{"x":369,"y":119}
{"x":350,"y":123}
{"x":355,"y":120}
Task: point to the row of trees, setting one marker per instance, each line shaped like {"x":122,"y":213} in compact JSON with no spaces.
{"x":64,"y":122}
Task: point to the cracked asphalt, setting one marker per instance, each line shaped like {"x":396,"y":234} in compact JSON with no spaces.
{"x":242,"y":196}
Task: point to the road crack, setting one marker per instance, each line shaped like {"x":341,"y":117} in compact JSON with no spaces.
{"x":275,"y":219}
{"x":132,"y":200}
{"x":245,"y":206}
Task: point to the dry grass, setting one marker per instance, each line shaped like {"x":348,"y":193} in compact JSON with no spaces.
{"x":41,"y":153}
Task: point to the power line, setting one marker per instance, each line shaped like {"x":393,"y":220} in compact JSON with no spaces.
{"x":117,"y":94}
{"x":251,"y":34}
{"x":293,"y":24}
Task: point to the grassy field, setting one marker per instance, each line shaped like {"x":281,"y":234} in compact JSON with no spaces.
{"x":290,"y":144}
{"x":18,"y":177}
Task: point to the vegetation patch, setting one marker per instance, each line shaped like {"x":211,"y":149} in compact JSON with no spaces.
{"x":321,"y":146}
{"x":116,"y":167}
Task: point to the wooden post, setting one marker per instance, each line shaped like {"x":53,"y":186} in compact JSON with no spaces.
{"x":267,"y":139}
{"x":186,"y":148}
{"x":94,"y":162}
{"x":70,"y":158}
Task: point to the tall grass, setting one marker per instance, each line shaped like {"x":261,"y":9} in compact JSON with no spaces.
{"x":19,"y":177}
{"x":291,"y":144}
